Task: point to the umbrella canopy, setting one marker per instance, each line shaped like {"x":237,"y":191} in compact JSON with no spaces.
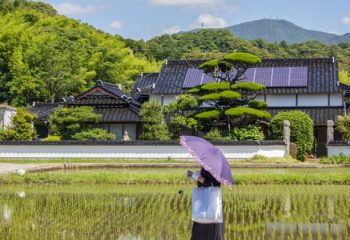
{"x":209,"y":157}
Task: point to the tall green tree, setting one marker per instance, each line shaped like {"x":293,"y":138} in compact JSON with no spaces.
{"x":154,"y":126}
{"x":23,"y":88}
{"x":229,"y":99}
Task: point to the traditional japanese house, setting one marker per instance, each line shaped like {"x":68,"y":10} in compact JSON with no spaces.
{"x":119,"y":112}
{"x":309,"y":85}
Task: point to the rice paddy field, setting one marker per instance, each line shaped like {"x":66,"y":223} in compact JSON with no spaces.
{"x":113,"y":208}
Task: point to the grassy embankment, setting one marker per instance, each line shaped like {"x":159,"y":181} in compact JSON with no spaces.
{"x":340,"y":176}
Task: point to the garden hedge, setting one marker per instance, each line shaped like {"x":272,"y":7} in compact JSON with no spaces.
{"x":302,"y":130}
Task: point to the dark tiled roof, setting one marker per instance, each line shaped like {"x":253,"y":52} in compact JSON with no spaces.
{"x":322,"y":76}
{"x":320,"y":115}
{"x":97,"y":100}
{"x":110,"y":115}
{"x":145,"y":83}
{"x":43,"y":110}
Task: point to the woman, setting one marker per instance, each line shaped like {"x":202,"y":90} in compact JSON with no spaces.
{"x":211,"y":231}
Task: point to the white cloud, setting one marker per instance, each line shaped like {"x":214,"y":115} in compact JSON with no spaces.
{"x":67,"y":8}
{"x":116,"y":24}
{"x":208,"y":21}
{"x":172,"y":30}
{"x":345,"y":20}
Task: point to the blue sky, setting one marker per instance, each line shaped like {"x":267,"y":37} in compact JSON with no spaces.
{"x":143,"y":19}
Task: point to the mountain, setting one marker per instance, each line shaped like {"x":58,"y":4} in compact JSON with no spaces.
{"x":273,"y":30}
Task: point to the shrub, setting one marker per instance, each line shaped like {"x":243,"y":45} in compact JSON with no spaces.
{"x":243,"y":133}
{"x":258,"y":104}
{"x":52,"y":138}
{"x":213,"y":86}
{"x":94,"y":134}
{"x":214,"y":134}
{"x":21,"y":126}
{"x":241,"y":111}
{"x":210,"y":97}
{"x":213,"y":114}
{"x":242,"y":57}
{"x":154,"y":127}
{"x":343,"y":126}
{"x":340,"y":159}
{"x":66,"y":122}
{"x":302,"y":130}
{"x":248,"y":86}
{"x":229,"y":95}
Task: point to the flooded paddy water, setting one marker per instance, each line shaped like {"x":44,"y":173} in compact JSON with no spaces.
{"x":159,"y":212}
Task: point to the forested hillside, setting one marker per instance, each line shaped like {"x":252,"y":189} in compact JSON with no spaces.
{"x":45,"y":56}
{"x":211,"y":43}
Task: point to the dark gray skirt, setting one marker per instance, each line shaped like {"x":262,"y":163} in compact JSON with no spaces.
{"x":212,"y":231}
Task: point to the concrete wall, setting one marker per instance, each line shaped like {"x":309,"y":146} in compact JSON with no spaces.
{"x":336,"y":150}
{"x":128,"y":151}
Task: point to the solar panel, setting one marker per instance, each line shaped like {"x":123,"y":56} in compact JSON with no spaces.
{"x":270,"y":77}
{"x":298,"y":77}
{"x":193,"y":78}
{"x":280,"y":77}
{"x":263,"y":76}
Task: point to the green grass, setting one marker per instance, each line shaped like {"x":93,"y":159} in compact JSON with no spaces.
{"x":341,"y":159}
{"x":340,"y":176}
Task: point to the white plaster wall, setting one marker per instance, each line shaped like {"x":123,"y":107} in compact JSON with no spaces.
{"x":164,"y":100}
{"x":311,"y":100}
{"x":336,"y":99}
{"x":281,"y":100}
{"x":155,"y":98}
{"x":168,"y":99}
{"x":260,"y":97}
{"x":131,"y":151}
{"x":6,"y":115}
{"x":337,"y":150}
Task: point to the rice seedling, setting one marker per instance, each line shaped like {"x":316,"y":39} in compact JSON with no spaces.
{"x":159,"y":212}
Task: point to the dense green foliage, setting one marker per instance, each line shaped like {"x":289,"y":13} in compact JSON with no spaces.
{"x":94,"y":134}
{"x":21,"y":127}
{"x":248,"y":86}
{"x":154,"y":126}
{"x":243,"y":133}
{"x":341,"y":159}
{"x":45,"y":56}
{"x":343,"y":126}
{"x":214,"y":134}
{"x":179,"y":113}
{"x":247,"y":111}
{"x":213,"y":44}
{"x":223,"y":105}
{"x":66,"y":122}
{"x":301,"y":127}
{"x":258,"y":104}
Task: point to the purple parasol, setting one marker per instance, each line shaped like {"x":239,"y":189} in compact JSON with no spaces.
{"x":209,"y":157}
